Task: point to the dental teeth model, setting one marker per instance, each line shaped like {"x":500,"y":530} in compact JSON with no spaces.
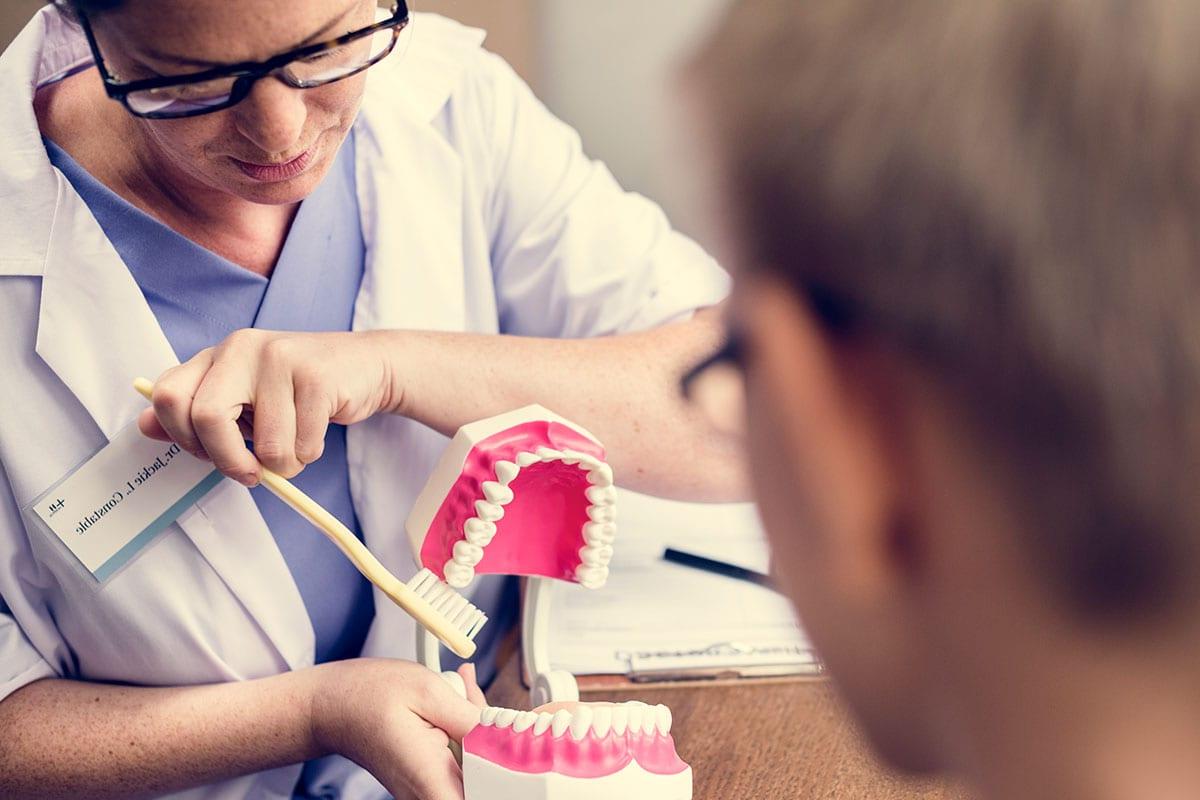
{"x":529,"y":493}
{"x":598,"y":751}
{"x":523,"y":493}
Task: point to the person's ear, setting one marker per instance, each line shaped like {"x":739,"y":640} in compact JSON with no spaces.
{"x":829,"y":415}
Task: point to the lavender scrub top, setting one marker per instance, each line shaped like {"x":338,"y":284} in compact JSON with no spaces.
{"x":199,"y":298}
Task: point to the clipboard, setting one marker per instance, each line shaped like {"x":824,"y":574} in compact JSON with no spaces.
{"x":666,"y":676}
{"x":657,"y":622}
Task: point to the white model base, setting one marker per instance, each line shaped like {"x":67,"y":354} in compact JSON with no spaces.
{"x":555,"y":686}
{"x":484,"y":780}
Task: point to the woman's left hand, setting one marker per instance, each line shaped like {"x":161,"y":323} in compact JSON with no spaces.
{"x":279,"y":389}
{"x":474,"y":693}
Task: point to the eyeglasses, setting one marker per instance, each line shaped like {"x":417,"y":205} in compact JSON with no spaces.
{"x":716,"y":387}
{"x":190,"y":95}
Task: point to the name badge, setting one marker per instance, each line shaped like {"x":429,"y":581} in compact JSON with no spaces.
{"x":107,"y":510}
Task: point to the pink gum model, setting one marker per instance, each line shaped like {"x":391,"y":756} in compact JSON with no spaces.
{"x":596,"y":752}
{"x":523,"y":493}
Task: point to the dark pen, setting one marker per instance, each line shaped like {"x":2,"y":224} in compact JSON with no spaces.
{"x":717,"y":567}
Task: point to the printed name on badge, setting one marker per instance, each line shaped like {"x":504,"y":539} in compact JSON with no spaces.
{"x":117,"y":502}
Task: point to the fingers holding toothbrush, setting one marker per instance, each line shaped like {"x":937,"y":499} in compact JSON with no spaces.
{"x":282,"y":390}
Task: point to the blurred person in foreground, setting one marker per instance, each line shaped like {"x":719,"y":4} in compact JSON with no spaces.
{"x":968,"y":241}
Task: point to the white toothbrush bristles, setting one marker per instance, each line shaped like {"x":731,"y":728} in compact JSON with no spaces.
{"x":455,"y":608}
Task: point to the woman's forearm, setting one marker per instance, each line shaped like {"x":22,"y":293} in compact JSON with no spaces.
{"x":624,"y":389}
{"x":70,"y":739}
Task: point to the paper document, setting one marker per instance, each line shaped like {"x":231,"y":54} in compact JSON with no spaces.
{"x":657,"y":617}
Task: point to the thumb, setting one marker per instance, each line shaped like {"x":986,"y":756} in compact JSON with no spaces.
{"x":471,"y":683}
{"x":150,"y":427}
{"x":444,"y":708}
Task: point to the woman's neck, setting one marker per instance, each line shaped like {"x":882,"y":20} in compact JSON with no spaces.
{"x":123,"y":158}
{"x":248,"y":234}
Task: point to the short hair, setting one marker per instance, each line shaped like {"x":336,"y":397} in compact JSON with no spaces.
{"x":1008,"y":193}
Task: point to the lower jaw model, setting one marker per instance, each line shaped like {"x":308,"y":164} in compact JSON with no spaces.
{"x":596,"y":752}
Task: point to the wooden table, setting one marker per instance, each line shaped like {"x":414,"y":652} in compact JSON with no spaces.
{"x":760,"y":739}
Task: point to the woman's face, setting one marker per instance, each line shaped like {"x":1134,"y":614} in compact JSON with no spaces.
{"x":277,"y":144}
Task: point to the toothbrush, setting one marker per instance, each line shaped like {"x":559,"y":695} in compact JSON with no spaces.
{"x":434,"y":605}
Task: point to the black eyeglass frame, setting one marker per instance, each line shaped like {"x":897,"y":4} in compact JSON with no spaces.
{"x":246,"y":73}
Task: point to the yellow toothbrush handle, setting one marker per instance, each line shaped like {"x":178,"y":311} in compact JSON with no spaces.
{"x":362,"y":558}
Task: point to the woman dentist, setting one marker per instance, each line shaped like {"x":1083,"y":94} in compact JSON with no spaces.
{"x":220,"y":184}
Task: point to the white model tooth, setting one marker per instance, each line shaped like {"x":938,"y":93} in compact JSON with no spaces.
{"x":596,"y":555}
{"x":543,"y":723}
{"x":560,"y":723}
{"x":497,"y":493}
{"x":581,"y":721}
{"x":549,"y":454}
{"x":602,"y":720}
{"x":649,"y":720}
{"x":601,"y":476}
{"x":620,"y":719}
{"x":524,"y":721}
{"x":488,"y":715}
{"x":588,"y":463}
{"x":526,"y":459}
{"x":479,"y":532}
{"x":601,"y":495}
{"x":591,"y":577}
{"x":590,"y":556}
{"x":602,"y":513}
{"x":599,"y":533}
{"x":505,"y":717}
{"x":572,"y":457}
{"x":467,"y":554}
{"x":506,"y":472}
{"x":636,"y":713}
{"x":489,"y":512}
{"x":663,"y":718}
{"x":458,"y":575}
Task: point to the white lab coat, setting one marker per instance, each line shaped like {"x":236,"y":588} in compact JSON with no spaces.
{"x":480,"y":214}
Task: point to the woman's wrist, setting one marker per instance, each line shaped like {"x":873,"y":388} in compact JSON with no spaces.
{"x":326,"y":707}
{"x":390,"y":349}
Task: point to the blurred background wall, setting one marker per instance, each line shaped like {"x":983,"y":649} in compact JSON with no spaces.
{"x":606,"y":68}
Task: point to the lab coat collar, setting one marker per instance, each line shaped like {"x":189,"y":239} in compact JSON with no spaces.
{"x":429,"y":60}
{"x":97,"y":333}
{"x":95,"y":330}
{"x":411,"y":193}
{"x":45,"y":50}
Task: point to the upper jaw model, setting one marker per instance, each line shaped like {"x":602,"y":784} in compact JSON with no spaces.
{"x":522,"y":493}
{"x":596,"y":752}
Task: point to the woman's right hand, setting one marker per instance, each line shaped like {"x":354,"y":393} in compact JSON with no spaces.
{"x":278,"y":388}
{"x":394,"y":719}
